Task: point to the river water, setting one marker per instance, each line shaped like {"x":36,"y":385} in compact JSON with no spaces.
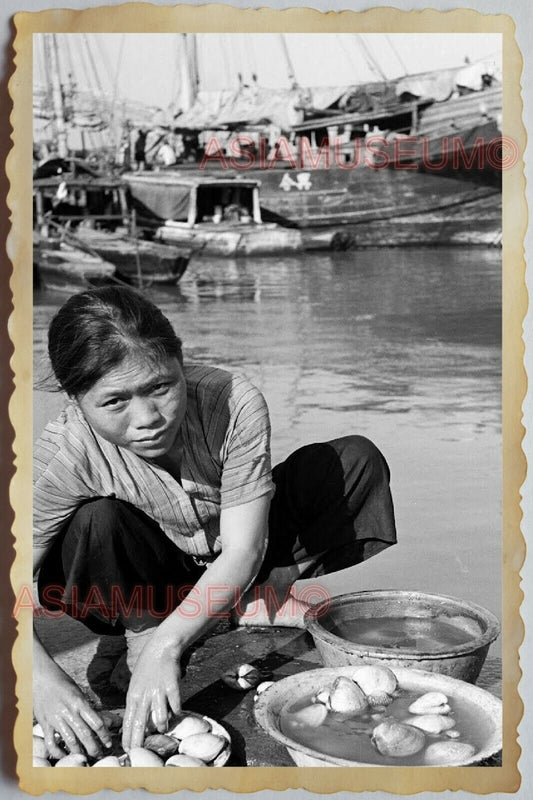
{"x":400,"y":345}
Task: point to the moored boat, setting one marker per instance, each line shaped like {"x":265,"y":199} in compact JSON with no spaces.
{"x":60,"y":266}
{"x":92,"y":213}
{"x":216,"y":216}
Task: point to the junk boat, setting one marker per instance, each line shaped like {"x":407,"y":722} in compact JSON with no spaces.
{"x":216,"y":216}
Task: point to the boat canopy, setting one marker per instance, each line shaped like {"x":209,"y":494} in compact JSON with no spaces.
{"x":254,"y":105}
{"x":173,"y":196}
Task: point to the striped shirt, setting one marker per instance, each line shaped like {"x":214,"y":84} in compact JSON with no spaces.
{"x":225,"y":462}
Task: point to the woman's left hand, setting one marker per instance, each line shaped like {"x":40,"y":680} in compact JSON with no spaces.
{"x":154,"y":688}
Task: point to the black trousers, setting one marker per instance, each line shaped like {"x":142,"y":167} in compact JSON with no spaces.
{"x":112,"y":563}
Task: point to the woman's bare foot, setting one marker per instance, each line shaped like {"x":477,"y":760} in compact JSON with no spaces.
{"x":268,"y":608}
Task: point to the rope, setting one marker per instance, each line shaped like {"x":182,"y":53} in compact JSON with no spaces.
{"x":394,"y":50}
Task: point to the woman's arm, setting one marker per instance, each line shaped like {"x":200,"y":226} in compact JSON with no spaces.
{"x":59,"y":704}
{"x":154,"y":684}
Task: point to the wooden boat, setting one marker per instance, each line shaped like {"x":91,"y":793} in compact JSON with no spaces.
{"x":60,"y":266}
{"x":330,"y":171}
{"x":137,"y":261}
{"x":216,"y":216}
{"x":92,"y":213}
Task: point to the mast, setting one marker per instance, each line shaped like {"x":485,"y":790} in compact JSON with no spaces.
{"x":188,"y":72}
{"x":57,"y":99}
{"x":290,"y":67}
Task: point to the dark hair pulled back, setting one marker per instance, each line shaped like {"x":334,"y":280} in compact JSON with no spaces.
{"x":95,"y":330}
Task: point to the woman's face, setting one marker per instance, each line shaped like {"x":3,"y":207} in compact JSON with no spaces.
{"x":138,"y":405}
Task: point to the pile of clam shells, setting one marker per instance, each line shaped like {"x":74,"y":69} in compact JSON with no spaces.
{"x":191,"y":741}
{"x":430,"y":726}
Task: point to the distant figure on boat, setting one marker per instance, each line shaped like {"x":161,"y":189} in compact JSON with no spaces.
{"x":140,"y":149}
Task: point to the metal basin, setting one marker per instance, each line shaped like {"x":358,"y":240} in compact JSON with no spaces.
{"x":463,"y":661}
{"x":270,"y":703}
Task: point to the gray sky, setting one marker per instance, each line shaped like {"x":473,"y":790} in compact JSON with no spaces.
{"x":147,"y":63}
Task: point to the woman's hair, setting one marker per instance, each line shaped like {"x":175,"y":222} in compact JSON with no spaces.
{"x":95,"y":330}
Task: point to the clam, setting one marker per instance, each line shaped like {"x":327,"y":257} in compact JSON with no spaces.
{"x":346,"y":697}
{"x":431,"y":723}
{"x":453,"y":734}
{"x":40,"y":749}
{"x":446,"y":753}
{"x":243,"y":677}
{"x":73,"y":760}
{"x":164,"y":746}
{"x":141,"y":757}
{"x":188,"y":726}
{"x":108,"y":761}
{"x":311,"y":716}
{"x":40,"y":762}
{"x":378,"y":683}
{"x":181,"y":760}
{"x":394,"y":739}
{"x":205,"y":746}
{"x":430,"y":703}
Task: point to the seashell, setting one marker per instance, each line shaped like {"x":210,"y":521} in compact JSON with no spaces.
{"x":243,"y":677}
{"x":377,"y":682}
{"x":321,"y":696}
{"x":40,"y":749}
{"x":188,"y":726}
{"x":108,"y":761}
{"x":347,"y":697}
{"x":312,"y":716}
{"x":444,"y":709}
{"x":38,"y":731}
{"x":428,"y":703}
{"x":446,"y":753}
{"x":40,"y":762}
{"x":205,"y":746}
{"x":379,"y":699}
{"x":164,"y":746}
{"x":431,"y":723}
{"x":394,"y":739}
{"x":72,"y":760}
{"x":453,"y":734}
{"x":181,"y":760}
{"x":141,"y":757}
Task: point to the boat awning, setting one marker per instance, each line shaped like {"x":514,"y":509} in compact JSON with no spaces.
{"x":254,"y":105}
{"x":166,"y":201}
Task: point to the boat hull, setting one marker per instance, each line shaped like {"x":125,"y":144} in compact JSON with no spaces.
{"x":249,"y":241}
{"x":68,"y":269}
{"x":368,"y":202}
{"x":138,"y":262}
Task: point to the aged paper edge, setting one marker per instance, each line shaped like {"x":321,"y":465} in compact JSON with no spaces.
{"x":143,"y":17}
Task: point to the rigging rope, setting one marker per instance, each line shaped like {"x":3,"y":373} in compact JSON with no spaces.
{"x":396,"y":53}
{"x":372,"y":62}
{"x":93,"y":63}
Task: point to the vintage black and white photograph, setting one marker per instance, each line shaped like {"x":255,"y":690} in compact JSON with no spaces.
{"x":267,"y":503}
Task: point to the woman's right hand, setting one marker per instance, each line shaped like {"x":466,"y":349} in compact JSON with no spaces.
{"x":59,"y":705}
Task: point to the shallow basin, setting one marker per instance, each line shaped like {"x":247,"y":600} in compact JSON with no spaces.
{"x":358,"y":628}
{"x":270,"y":704}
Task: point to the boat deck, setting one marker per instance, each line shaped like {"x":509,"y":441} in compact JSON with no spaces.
{"x":89,"y":659}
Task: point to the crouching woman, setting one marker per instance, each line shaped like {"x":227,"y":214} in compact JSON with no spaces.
{"x":156,"y":509}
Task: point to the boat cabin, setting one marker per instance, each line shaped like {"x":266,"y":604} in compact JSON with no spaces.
{"x":91,"y":201}
{"x":190,"y":201}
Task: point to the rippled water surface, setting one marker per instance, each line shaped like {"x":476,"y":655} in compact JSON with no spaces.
{"x":402,"y":346}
